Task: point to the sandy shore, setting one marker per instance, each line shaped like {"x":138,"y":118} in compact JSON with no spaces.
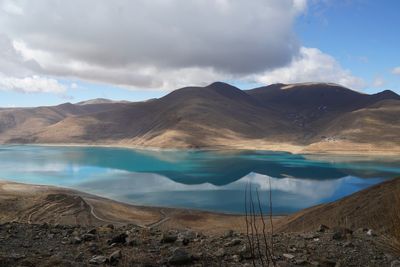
{"x":324,"y":148}
{"x":37,"y":204}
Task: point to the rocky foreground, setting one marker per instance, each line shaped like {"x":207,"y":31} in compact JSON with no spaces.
{"x":63,"y":245}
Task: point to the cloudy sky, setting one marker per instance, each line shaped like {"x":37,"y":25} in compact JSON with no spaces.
{"x":54,"y":51}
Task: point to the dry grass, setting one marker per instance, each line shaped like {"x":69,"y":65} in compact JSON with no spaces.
{"x":391,"y":239}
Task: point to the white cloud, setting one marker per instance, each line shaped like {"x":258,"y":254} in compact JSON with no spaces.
{"x":34,"y":84}
{"x":153,"y":44}
{"x":312,"y":65}
{"x":11,"y":7}
{"x":378,"y":82}
{"x":396,"y":71}
{"x":18,"y":73}
{"x":157,"y":44}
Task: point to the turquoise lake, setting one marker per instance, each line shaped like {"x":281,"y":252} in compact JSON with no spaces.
{"x":203,"y":180}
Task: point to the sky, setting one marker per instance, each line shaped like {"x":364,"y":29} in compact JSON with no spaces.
{"x":56,"y":51}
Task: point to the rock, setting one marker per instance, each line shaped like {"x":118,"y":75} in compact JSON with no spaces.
{"x":300,"y":261}
{"x":118,"y":239}
{"x":395,"y":263}
{"x":233,"y":242}
{"x":88,"y":237}
{"x":76,"y":240}
{"x":185,"y":242}
{"x":328,"y":263}
{"x":92,"y":231}
{"x":370,"y":232}
{"x":348,"y":244}
{"x":133,"y":242}
{"x":186,"y":237}
{"x":98,"y":259}
{"x":309,"y":236}
{"x":111,"y":226}
{"x":168,"y":238}
{"x":245,"y":252}
{"x":322,"y":228}
{"x":115,"y":257}
{"x":220,"y":252}
{"x":288,"y":256}
{"x":180,"y":257}
{"x":236,"y":258}
{"x":229,"y":233}
{"x":79,"y":257}
{"x":283,"y":264}
{"x":341,"y":233}
{"x":93,"y":248}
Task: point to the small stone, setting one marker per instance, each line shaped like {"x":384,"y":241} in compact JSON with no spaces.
{"x":245,"y":252}
{"x":300,"y":261}
{"x":88,"y":237}
{"x":229,"y":233}
{"x":185,"y":241}
{"x":76,"y":240}
{"x":310,"y":236}
{"x":395,"y":263}
{"x":115,"y":257}
{"x":220,"y":252}
{"x":322,"y":228}
{"x":133,"y":242}
{"x":168,"y":238}
{"x":97,"y":260}
{"x":288,"y":256}
{"x":233,"y":243}
{"x":282,"y":264}
{"x":93,"y":248}
{"x":92,"y":231}
{"x":180,"y":257}
{"x":348,"y":244}
{"x":341,"y":233}
{"x":370,"y":232}
{"x":118,"y":239}
{"x":236,"y":258}
{"x":79,"y":257}
{"x":328,"y":263}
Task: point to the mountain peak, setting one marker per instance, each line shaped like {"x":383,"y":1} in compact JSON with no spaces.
{"x":389,"y":93}
{"x":220,"y":84}
{"x":95,"y":101}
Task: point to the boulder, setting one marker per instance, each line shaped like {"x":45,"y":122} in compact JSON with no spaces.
{"x":180,"y":257}
{"x":98,"y":259}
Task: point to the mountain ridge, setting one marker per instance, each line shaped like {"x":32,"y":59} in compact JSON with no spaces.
{"x":311,"y":117}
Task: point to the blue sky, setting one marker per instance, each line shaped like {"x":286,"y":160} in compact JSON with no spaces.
{"x":362,"y":35}
{"x":354,"y":43}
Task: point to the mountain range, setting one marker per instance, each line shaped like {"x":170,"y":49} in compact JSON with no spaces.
{"x":307,"y":117}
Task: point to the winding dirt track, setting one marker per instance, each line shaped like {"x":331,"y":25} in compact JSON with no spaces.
{"x":46,"y":204}
{"x":164,"y":218}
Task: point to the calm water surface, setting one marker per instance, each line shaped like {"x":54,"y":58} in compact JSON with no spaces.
{"x":196,"y":179}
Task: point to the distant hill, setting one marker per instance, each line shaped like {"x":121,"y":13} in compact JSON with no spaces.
{"x":312,"y":117}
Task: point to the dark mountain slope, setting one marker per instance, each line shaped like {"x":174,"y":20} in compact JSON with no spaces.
{"x":278,"y":117}
{"x":195,"y":113}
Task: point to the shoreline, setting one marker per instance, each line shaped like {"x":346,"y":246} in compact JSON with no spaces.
{"x":28,"y":203}
{"x":292,"y":149}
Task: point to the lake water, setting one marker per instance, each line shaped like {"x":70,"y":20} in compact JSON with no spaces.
{"x":196,"y":179}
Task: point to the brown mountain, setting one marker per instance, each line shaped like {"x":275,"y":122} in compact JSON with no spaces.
{"x":311,"y":117}
{"x":376,"y":207}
